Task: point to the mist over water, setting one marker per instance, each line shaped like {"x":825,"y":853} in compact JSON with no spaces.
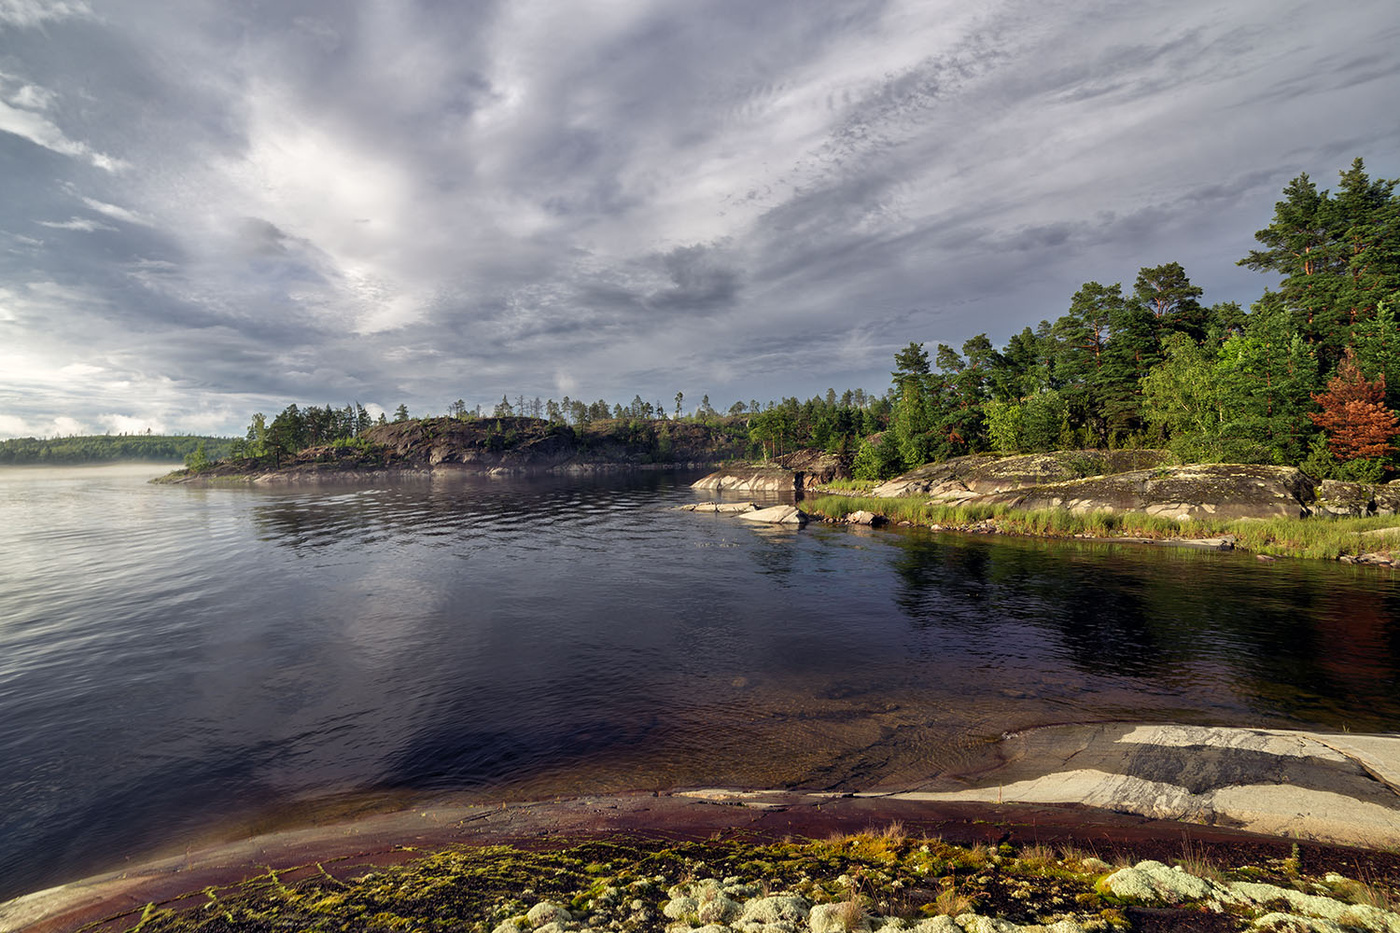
{"x":181,"y":664}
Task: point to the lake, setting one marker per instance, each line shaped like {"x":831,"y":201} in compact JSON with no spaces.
{"x":180,"y":665}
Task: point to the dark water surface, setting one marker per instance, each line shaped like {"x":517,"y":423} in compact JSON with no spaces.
{"x":178,"y":665}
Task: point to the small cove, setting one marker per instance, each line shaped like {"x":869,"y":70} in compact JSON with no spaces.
{"x":178,"y":664}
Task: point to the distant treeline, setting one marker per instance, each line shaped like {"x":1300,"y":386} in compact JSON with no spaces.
{"x":107,"y":448}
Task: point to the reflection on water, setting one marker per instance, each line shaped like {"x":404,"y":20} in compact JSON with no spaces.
{"x":176,"y":663}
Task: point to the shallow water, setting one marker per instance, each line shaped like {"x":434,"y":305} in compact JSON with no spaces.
{"x":179,"y":664}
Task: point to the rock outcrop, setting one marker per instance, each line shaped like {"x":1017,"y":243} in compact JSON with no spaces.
{"x":791,"y":473}
{"x":1341,"y":788}
{"x":1357,"y":500}
{"x":497,"y":446}
{"x":749,"y":478}
{"x":1217,"y":490}
{"x":965,"y":477}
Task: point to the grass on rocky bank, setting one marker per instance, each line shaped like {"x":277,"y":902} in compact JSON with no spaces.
{"x":1327,"y":539}
{"x":874,"y":880}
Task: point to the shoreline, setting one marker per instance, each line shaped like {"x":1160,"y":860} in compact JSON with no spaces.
{"x":1056,"y":787}
{"x":1303,"y":538}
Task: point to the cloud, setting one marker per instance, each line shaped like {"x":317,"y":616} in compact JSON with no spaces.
{"x":118,"y":213}
{"x":30,"y":125}
{"x":34,"y":13}
{"x":76,"y":223}
{"x":418,"y":202}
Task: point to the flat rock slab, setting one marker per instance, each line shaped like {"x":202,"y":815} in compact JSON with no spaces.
{"x":1336,"y":788}
{"x":724,"y":507}
{"x":777,"y":515}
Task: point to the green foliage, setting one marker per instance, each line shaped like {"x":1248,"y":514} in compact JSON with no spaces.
{"x":1044,"y":418}
{"x":1004,"y":421}
{"x":877,"y":458}
{"x":108,"y":448}
{"x":198,"y":461}
{"x":1180,"y":397}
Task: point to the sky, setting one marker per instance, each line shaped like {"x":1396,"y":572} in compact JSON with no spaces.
{"x":215,"y":207}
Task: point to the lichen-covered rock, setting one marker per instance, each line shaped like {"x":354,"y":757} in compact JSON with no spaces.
{"x":862,"y":517}
{"x":1316,"y":907}
{"x":547,"y":912}
{"x":973,"y":923}
{"x":938,"y":924}
{"x":775,"y":908}
{"x":681,"y":907}
{"x":1219,"y":490}
{"x":1345,"y":500}
{"x":1152,"y":882}
{"x":966,"y":477}
{"x":1290,"y":923}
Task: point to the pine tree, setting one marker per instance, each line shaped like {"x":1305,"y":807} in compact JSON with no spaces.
{"x":1354,"y":416}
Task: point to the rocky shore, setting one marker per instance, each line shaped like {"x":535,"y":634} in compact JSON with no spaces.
{"x":1134,"y":496}
{"x":1174,"y":828}
{"x":486,"y":446}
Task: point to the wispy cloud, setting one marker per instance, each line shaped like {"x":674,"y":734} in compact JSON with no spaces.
{"x":76,"y":223}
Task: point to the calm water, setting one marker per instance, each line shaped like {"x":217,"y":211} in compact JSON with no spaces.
{"x":178,"y":665}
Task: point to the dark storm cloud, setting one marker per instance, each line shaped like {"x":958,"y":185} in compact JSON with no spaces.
{"x":211,"y":209}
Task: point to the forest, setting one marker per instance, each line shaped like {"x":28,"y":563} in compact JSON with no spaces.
{"x":109,"y":448}
{"x":1309,"y":375}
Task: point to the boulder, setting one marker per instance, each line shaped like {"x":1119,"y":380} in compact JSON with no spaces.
{"x":547,"y":912}
{"x":754,"y":478}
{"x":812,"y":467}
{"x":862,"y":517}
{"x":1346,"y":500}
{"x":1387,"y":498}
{"x":777,"y":515}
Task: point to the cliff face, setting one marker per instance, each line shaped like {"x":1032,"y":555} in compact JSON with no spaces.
{"x":496,"y":446}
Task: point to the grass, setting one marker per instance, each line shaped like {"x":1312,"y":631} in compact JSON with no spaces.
{"x":852,"y":485}
{"x":1321,"y":538}
{"x":1194,"y":861}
